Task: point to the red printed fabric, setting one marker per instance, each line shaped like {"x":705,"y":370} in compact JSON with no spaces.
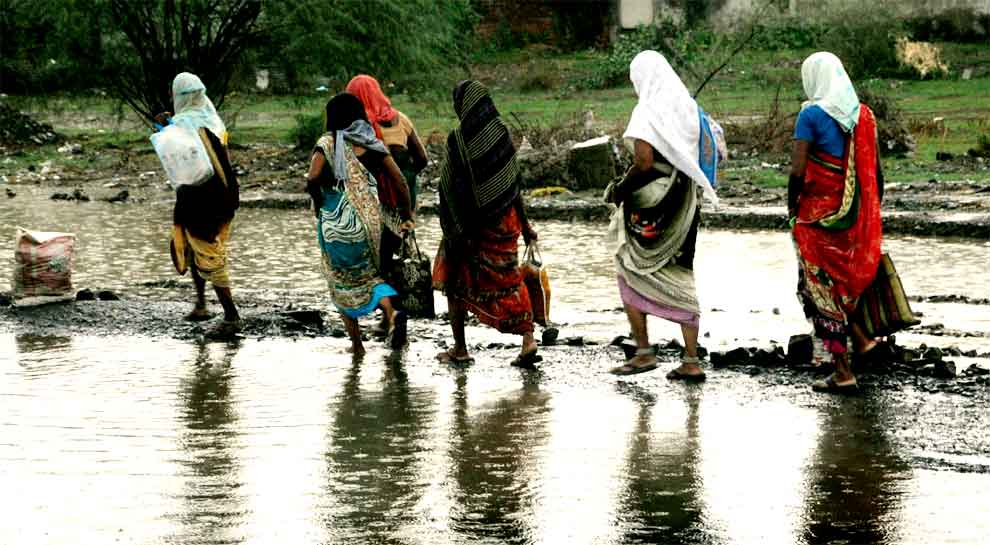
{"x":490,"y":282}
{"x":376,"y":104}
{"x":849,"y":256}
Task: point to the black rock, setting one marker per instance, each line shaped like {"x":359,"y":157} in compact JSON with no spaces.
{"x":933,"y":354}
{"x":574,"y":341}
{"x":975,"y":370}
{"x":737,"y":356}
{"x":769,"y":358}
{"x":550,"y":335}
{"x":5,"y":300}
{"x":85,"y":295}
{"x":338,"y":333}
{"x":306,"y":317}
{"x":10,"y":193}
{"x":800,"y":349}
{"x":943,"y":156}
{"x":107,"y":295}
{"x":673,"y":344}
{"x":945,"y":369}
{"x":122,"y":196}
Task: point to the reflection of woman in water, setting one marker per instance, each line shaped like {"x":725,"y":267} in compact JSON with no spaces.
{"x":209,"y":446}
{"x":661,"y":503}
{"x":493,"y":453}
{"x":854,"y":478}
{"x":377,"y":440}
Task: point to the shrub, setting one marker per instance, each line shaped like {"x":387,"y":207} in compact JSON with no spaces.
{"x":964,"y":25}
{"x":787,"y":33}
{"x":612,"y":68}
{"x":866,"y":41}
{"x":307,"y":130}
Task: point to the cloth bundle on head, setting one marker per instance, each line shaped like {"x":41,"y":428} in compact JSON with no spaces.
{"x":193,"y":109}
{"x":479,"y":179}
{"x":670,"y":120}
{"x":377,"y":106}
{"x":345,"y":118}
{"x":828,"y":86}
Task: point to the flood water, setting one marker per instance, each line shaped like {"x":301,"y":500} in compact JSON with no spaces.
{"x":141,"y":440}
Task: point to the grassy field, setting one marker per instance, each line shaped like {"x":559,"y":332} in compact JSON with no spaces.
{"x":534,"y":88}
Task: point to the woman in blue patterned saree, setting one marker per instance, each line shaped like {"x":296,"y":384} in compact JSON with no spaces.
{"x":345,"y":200}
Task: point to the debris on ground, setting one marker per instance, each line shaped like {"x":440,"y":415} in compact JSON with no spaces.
{"x":19,"y":129}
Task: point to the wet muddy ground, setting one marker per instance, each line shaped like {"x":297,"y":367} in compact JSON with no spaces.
{"x":119,"y":423}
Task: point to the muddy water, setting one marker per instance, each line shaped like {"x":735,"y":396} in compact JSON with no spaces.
{"x":137,"y":440}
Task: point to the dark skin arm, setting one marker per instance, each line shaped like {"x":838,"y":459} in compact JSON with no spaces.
{"x":314,"y":178}
{"x":417,"y":151}
{"x":799,"y":163}
{"x":639,"y":174}
{"x":528,"y":233}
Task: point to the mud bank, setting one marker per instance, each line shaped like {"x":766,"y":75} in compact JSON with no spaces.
{"x":764,"y":218}
{"x":926,"y":369}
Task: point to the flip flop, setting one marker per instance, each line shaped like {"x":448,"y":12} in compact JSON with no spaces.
{"x":447,"y":358}
{"x":527,"y":360}
{"x":628,"y":369}
{"x":224,"y":330}
{"x":675,"y":374}
{"x":198,"y":315}
{"x":397,"y":336}
{"x":829,"y":386}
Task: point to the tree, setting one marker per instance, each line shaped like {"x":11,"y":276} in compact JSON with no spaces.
{"x":164,"y":37}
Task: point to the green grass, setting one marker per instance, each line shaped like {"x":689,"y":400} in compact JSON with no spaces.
{"x":745,"y":89}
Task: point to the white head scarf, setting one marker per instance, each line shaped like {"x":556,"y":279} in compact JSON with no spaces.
{"x":193,"y":109}
{"x":666,"y":116}
{"x":828,"y":86}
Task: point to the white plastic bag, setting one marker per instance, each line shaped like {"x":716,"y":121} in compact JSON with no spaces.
{"x":183,"y":155}
{"x":42,"y":267}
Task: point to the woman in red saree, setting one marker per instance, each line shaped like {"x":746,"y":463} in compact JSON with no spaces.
{"x":834,"y":207}
{"x":482,"y":217}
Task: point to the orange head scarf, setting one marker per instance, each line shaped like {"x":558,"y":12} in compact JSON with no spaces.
{"x":376,"y":104}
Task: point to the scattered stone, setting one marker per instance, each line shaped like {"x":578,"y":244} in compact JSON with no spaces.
{"x":673,"y":344}
{"x":967,"y":74}
{"x":76,"y":195}
{"x":800,"y":349}
{"x":769,"y":358}
{"x":107,"y":295}
{"x":550,"y":335}
{"x":945,"y":369}
{"x":10,"y":193}
{"x":70,"y":148}
{"x":122,"y":196}
{"x":85,"y":295}
{"x":18,"y":129}
{"x":574,"y":341}
{"x":5,"y":299}
{"x":975,"y":370}
{"x":933,"y":354}
{"x":311,"y":318}
{"x":944,"y":156}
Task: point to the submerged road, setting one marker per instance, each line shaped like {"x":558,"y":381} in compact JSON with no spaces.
{"x":118,"y":426}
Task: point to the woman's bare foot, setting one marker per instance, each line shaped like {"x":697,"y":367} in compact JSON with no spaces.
{"x":198,"y":314}
{"x":356,"y":349}
{"x":454,"y":355}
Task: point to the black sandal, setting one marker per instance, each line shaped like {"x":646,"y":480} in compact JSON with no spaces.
{"x":829,"y":386}
{"x":527,"y":360}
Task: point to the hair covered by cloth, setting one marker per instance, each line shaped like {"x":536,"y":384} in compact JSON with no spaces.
{"x":666,"y":117}
{"x":193,"y":109}
{"x":479,"y":178}
{"x":377,"y":106}
{"x":828,"y":86}
{"x":345,"y":119}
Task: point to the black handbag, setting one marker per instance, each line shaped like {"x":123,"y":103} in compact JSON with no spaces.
{"x":413,"y":278}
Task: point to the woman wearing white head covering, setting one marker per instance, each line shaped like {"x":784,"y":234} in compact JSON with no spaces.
{"x":203,"y":213}
{"x":655,"y":226}
{"x":834,"y":206}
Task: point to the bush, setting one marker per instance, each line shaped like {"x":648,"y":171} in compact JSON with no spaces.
{"x":866,"y":41}
{"x":787,"y":33}
{"x":611,"y":69}
{"x":964,"y":25}
{"x":307,"y":130}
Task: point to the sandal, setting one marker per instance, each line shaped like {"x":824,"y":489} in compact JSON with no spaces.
{"x":198,"y":315}
{"x":829,"y":386}
{"x":397,"y":335}
{"x":225,"y":330}
{"x":677,"y":374}
{"x":527,"y":360}
{"x":629,"y":369}
{"x":447,"y":358}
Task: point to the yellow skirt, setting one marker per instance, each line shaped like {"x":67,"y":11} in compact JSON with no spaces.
{"x":209,"y":258}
